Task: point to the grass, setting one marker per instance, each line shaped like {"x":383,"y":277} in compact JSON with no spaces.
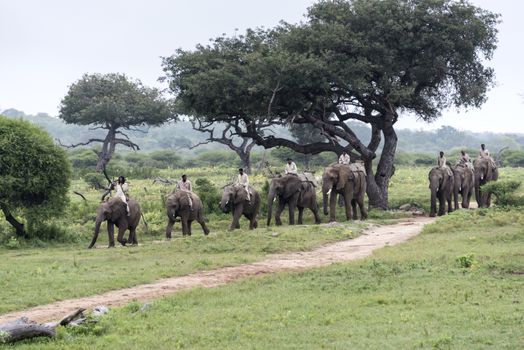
{"x":415,"y":295}
{"x":37,"y":276}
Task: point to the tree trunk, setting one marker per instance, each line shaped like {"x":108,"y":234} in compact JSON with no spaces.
{"x":245,"y":157}
{"x":108,"y":149}
{"x":378,"y":182}
{"x":19,"y":227}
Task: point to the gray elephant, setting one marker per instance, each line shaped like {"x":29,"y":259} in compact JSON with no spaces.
{"x":463,"y":184}
{"x":348,"y":181}
{"x":485,"y":171}
{"x":441,"y":185}
{"x":295,"y":192}
{"x":234,"y":199}
{"x":114,"y":212}
{"x":178,"y":205}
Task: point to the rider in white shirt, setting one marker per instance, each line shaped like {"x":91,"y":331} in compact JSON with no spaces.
{"x":291,"y":167}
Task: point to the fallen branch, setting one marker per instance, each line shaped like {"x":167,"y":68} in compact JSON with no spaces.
{"x":23,"y":328}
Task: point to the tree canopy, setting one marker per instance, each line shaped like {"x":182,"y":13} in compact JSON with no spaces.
{"x":115,"y":103}
{"x":363,"y":60}
{"x":34,"y":172}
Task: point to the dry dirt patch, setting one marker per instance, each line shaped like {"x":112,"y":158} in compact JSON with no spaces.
{"x":374,"y":238}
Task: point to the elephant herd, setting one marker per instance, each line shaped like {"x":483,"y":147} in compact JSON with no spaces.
{"x":298,"y":192}
{"x":461,"y":180}
{"x":295,"y":192}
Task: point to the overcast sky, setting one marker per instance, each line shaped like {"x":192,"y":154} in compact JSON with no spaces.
{"x":45,"y":46}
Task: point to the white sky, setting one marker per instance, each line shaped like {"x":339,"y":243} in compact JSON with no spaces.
{"x":47,"y":45}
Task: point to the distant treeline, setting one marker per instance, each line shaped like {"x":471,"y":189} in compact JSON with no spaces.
{"x":414,"y":147}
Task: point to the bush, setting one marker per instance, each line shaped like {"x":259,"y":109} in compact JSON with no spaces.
{"x":34,"y":173}
{"x":504,"y":192}
{"x":209,"y":195}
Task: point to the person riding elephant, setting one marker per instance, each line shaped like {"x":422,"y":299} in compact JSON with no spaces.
{"x":441,"y":185}
{"x":235,"y":199}
{"x":465,"y":160}
{"x":485,"y":171}
{"x":442,"y":163}
{"x":292,"y":191}
{"x":348,"y":181}
{"x":463,"y":184}
{"x":291,"y":168}
{"x":114,"y":212}
{"x":177,"y":205}
{"x":185,"y":185}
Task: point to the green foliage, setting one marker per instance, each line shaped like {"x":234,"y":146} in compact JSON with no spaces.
{"x":513,"y":158}
{"x":113,"y":100}
{"x":466,"y":261}
{"x":12,"y":243}
{"x":209,"y":194}
{"x":504,"y":192}
{"x":34,"y":172}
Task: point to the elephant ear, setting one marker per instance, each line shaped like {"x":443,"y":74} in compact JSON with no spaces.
{"x":117,"y":208}
{"x":343,"y":177}
{"x":293,"y":186}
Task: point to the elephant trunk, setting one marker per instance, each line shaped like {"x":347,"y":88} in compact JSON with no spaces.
{"x":326,"y":188}
{"x":97,"y":231}
{"x":224,"y":204}
{"x":434,"y":186}
{"x":270,"y":200}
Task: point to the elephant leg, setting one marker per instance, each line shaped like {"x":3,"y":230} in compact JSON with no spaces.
{"x":348,"y":204}
{"x":237,"y":213}
{"x":169,"y":228}
{"x":316,"y":213}
{"x":111,"y":234}
{"x":189,"y":223}
{"x":132,"y":236}
{"x":121,"y":232}
{"x":332,"y":206}
{"x":442,"y":205}
{"x":450,"y":203}
{"x":363,"y":209}
{"x":201,"y":221}
{"x":291,"y":209}
{"x":354,"y":209}
{"x":465,"y":198}
{"x":279,"y":211}
{"x":185,"y":230}
{"x":300,"y":215}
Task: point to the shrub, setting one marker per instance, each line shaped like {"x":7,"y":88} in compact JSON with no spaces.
{"x":209,"y":195}
{"x":504,"y":192}
{"x":34,"y":173}
{"x":466,"y":261}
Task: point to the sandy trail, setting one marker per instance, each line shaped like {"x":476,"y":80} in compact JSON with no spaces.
{"x":374,"y":238}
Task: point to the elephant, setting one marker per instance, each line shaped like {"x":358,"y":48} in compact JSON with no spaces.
{"x":441,"y":185}
{"x":295,"y":192}
{"x":177,"y":204}
{"x":348,"y":181}
{"x":234,"y":199}
{"x":485,"y":171}
{"x":464,"y":182}
{"x":114,"y":212}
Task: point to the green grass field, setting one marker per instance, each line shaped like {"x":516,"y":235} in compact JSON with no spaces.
{"x":416,"y":295}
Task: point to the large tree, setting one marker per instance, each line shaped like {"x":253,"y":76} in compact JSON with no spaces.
{"x":117,"y":104}
{"x":363,"y":60}
{"x":34,"y":174}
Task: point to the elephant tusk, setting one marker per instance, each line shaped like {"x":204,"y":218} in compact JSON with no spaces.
{"x":227,"y":202}
{"x":328,"y":192}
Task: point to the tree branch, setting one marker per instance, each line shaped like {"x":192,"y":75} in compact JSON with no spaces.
{"x":79,"y":144}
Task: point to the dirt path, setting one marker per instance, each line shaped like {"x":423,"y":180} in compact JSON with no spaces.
{"x":360,"y":247}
